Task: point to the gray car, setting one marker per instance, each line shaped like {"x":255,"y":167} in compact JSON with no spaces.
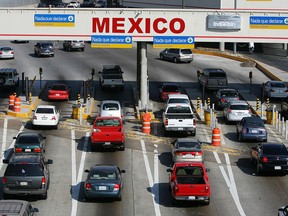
{"x":104,"y":181}
{"x":223,"y":96}
{"x":177,"y":55}
{"x":17,"y":208}
{"x":74,"y":45}
{"x":236,"y":110}
{"x":26,"y":174}
{"x":275,"y":89}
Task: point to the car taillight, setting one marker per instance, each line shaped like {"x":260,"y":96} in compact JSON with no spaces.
{"x":264,"y":160}
{"x":96,"y":130}
{"x":38,"y":150}
{"x":18,"y":149}
{"x":249,"y":111}
{"x":43,"y":182}
{"x":223,"y":100}
{"x":12,"y":52}
{"x":229,"y":110}
{"x":4,"y":180}
{"x":116,"y":187}
{"x":166,"y":122}
{"x":206,"y":189}
{"x":35,"y":117}
{"x":244,"y":130}
{"x":88,"y":186}
{"x":1,"y":53}
{"x":286,"y":90}
{"x":194,"y":122}
{"x":176,"y":189}
{"x":53,"y":118}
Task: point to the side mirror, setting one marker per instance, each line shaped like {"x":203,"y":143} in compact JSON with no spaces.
{"x":33,"y":110}
{"x":35,"y":210}
{"x":169,"y":170}
{"x":207,"y":170}
{"x":5,"y":161}
{"x":49,"y":161}
{"x":43,"y":137}
{"x":123,"y":171}
{"x":14,"y":137}
{"x":100,"y":72}
{"x":86,"y":170}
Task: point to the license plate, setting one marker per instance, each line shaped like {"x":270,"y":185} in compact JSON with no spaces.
{"x":57,"y":94}
{"x":277,"y":167}
{"x":27,"y":150}
{"x":189,"y":155}
{"x":44,"y":118}
{"x":220,"y":83}
{"x":254,"y":131}
{"x":112,"y":86}
{"x":279,"y":91}
{"x":23,"y":183}
{"x":107,"y":143}
{"x":191,"y":197}
{"x":102,"y":187}
{"x":180,"y":128}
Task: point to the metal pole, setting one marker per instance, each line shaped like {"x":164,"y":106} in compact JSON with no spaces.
{"x":80,"y":117}
{"x":23,"y":83}
{"x":144,"y":75}
{"x":27,"y":88}
{"x":234,"y":48}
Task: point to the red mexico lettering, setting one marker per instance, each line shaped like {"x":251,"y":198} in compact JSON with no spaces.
{"x":137,"y":26}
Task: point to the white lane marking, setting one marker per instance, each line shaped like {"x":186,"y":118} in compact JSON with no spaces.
{"x":4,"y":137}
{"x":217,"y":157}
{"x":225,"y":176}
{"x":11,"y":146}
{"x":79,"y":177}
{"x":149,"y":175}
{"x":156,"y":182}
{"x":233,"y":188}
{"x":73,"y":163}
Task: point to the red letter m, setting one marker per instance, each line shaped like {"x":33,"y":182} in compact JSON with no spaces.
{"x":98,"y":27}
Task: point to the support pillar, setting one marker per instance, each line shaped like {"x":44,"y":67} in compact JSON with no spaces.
{"x":235,"y":48}
{"x":144,"y":75}
{"x":222,"y":46}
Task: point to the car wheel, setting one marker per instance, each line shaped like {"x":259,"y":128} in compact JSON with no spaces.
{"x":193,"y":133}
{"x":240,"y":137}
{"x":82,"y":49}
{"x":44,"y":196}
{"x":122,"y":148}
{"x":161,"y":57}
{"x":207,"y":202}
{"x":52,"y":55}
{"x":119,"y":198}
{"x":56,"y":127}
{"x":258,"y":170}
{"x":69,"y":49}
{"x":175,"y":60}
{"x":189,"y":61}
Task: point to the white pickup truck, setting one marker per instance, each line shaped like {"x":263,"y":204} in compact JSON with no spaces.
{"x":179,"y":118}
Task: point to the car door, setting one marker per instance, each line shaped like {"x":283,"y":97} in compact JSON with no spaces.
{"x":240,"y":126}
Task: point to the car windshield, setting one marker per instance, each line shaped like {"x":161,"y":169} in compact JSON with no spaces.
{"x":46,"y":45}
{"x":103,"y":174}
{"x":278,"y":85}
{"x":239,"y":107}
{"x":107,"y":122}
{"x":45,"y":110}
{"x":185,"y":145}
{"x":254,"y":124}
{"x":229,"y":94}
{"x":23,"y":170}
{"x":275,"y":150}
{"x":178,"y":100}
{"x":110,"y":106}
{"x":169,"y":88}
{"x":27,"y":139}
{"x":58,"y":87}
{"x":5,"y":49}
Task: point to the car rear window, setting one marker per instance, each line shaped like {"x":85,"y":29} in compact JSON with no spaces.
{"x":107,"y":122}
{"x":186,"y":51}
{"x":27,"y":139}
{"x":45,"y":110}
{"x":110,"y":106}
{"x":170,"y":89}
{"x":58,"y":87}
{"x":5,"y":49}
{"x":217,"y":75}
{"x":178,"y":100}
{"x":239,"y":107}
{"x":185,"y":145}
{"x":104,"y":175}
{"x":229,"y":94}
{"x":23,"y":170}
{"x":275,"y":150}
{"x":179,"y":109}
{"x":189,"y":171}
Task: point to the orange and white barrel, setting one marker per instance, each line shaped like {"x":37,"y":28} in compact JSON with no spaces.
{"x":216,"y":139}
{"x":146,"y":123}
{"x":17,"y":104}
{"x":11,"y":102}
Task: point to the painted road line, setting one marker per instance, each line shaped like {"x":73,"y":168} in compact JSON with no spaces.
{"x":4,"y":137}
{"x":156,"y":181}
{"x":73,"y":163}
{"x":149,"y":174}
{"x":233,"y":189}
{"x":217,"y":157}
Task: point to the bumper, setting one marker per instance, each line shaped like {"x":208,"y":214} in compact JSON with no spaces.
{"x":44,"y":123}
{"x":106,"y":194}
{"x":236,"y":118}
{"x":186,"y":129}
{"x":192,"y":198}
{"x":259,"y":137}
{"x":23,"y":192}
{"x":183,"y":159}
{"x":274,"y":168}
{"x":54,"y":97}
{"x":107,"y":144}
{"x":186,"y":59}
{"x":113,"y":86}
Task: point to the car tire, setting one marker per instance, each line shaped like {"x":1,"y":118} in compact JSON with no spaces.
{"x":161,"y":57}
{"x":122,"y":148}
{"x":44,"y":196}
{"x":258,"y":170}
{"x":52,"y":55}
{"x":175,"y":60}
{"x":193,"y":133}
{"x":240,"y":137}
{"x":69,"y":49}
{"x":119,"y":198}
{"x":82,"y":49}
{"x":207,"y":202}
{"x":56,"y":127}
{"x":189,"y":61}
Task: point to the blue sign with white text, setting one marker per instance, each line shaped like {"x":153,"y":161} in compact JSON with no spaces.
{"x":100,"y":41}
{"x":268,"y":22}
{"x":173,"y":42}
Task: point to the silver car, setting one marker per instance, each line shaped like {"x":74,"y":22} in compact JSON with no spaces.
{"x":74,"y":45}
{"x":187,"y":150}
{"x":236,"y":110}
{"x":177,"y":55}
{"x":6,"y":53}
{"x":275,"y":89}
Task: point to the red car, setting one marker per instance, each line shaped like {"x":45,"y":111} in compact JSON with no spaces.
{"x":189,"y":182}
{"x":168,"y":88}
{"x":59,"y":92}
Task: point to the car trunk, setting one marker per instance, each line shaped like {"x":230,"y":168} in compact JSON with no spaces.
{"x":188,"y":185}
{"x":24,"y":182}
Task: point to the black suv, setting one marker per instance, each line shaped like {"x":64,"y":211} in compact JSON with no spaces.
{"x":26,"y":174}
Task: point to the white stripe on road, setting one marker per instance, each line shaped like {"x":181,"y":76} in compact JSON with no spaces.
{"x":4,"y":138}
{"x":73,"y":161}
{"x":217,"y":157}
{"x":149,"y":175}
{"x":75,"y":193}
{"x":156,"y":182}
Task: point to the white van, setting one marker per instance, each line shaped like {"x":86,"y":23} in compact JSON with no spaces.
{"x":177,"y":99}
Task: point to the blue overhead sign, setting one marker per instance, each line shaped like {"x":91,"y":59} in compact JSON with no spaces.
{"x":173,"y":42}
{"x":54,"y":20}
{"x":100,"y":41}
{"x":268,"y":22}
